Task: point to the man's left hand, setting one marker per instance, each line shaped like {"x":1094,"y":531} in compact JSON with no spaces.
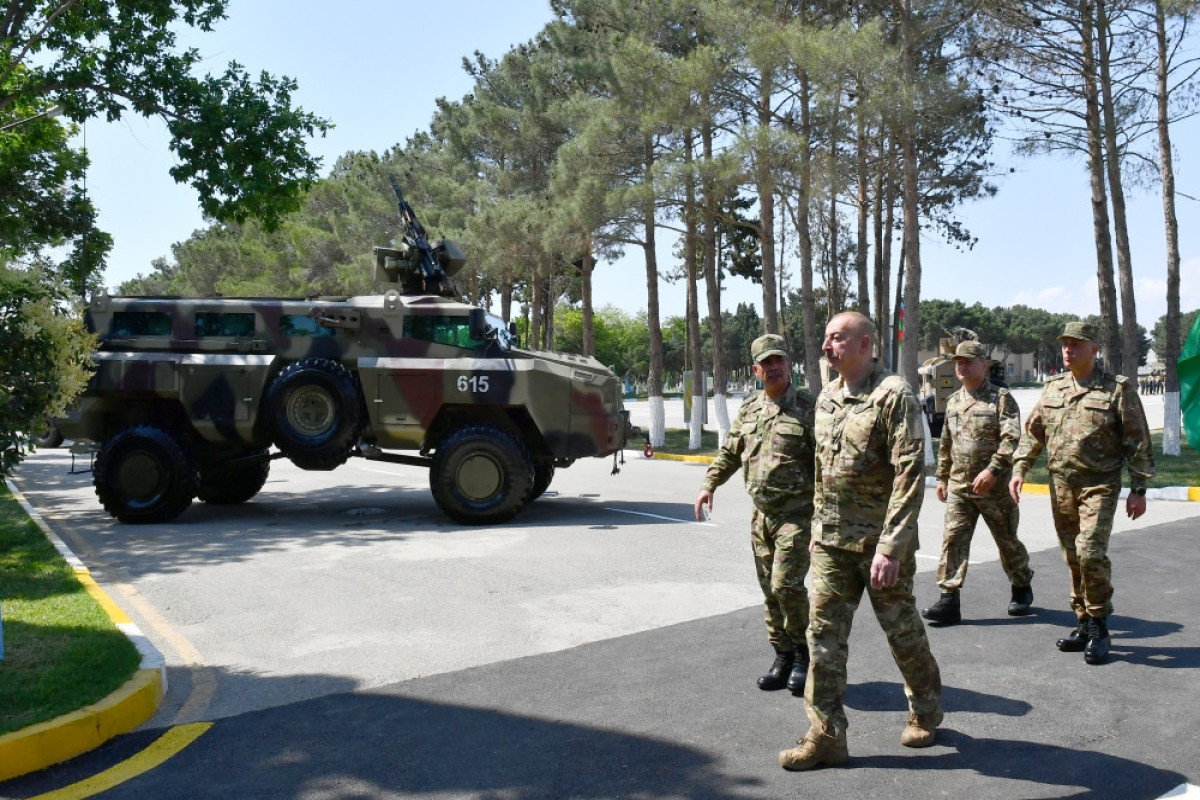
{"x":885,"y":571}
{"x":1135,"y":505}
{"x":983,"y":482}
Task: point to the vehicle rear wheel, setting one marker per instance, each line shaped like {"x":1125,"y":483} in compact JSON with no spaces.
{"x":314,"y":413}
{"x":144,"y":475}
{"x":481,"y":475}
{"x":224,"y":485}
{"x":47,"y":435}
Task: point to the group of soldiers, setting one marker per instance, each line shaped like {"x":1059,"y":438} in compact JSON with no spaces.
{"x":837,"y":484}
{"x":1152,"y":384}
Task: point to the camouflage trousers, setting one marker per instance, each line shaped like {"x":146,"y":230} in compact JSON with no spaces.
{"x":1000,"y":513}
{"x":839,"y":578}
{"x":781,"y":561}
{"x":1083,"y":518}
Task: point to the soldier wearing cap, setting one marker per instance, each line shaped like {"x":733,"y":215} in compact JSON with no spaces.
{"x":771,"y":442}
{"x":981,"y":432}
{"x":1091,"y":424}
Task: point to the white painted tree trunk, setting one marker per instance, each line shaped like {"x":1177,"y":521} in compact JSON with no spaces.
{"x":658,"y":421}
{"x":696,"y":423}
{"x":1171,"y":422}
{"x":721,"y":409}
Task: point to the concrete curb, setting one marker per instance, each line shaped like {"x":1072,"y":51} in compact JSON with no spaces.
{"x":1174,"y":493}
{"x":39,"y":746}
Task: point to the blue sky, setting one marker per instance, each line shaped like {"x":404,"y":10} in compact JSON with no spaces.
{"x":375,"y":69}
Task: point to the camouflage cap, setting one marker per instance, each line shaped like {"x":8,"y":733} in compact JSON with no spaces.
{"x":968,"y":350}
{"x":1080,"y":330}
{"x":770,"y":344}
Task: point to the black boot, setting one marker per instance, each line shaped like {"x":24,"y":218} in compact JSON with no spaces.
{"x":945,"y":611}
{"x":1022,"y":599}
{"x":1076,"y":640}
{"x":777,"y":675}
{"x":795,"y":681}
{"x":1096,"y":650}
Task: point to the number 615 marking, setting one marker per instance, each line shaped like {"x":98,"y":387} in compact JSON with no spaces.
{"x":472,"y":383}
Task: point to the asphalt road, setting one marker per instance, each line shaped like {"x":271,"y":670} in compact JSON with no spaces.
{"x":349,"y":641}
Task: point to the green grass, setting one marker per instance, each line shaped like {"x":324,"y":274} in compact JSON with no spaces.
{"x":61,"y":650}
{"x":1181,"y":470}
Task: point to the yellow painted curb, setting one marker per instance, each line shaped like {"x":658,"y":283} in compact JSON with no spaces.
{"x":1035,"y":488}
{"x":1194,"y":494}
{"x":46,"y":743}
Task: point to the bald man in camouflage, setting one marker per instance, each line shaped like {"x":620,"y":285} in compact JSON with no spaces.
{"x":1091,"y":424}
{"x":869,"y":487}
{"x":771,"y":442}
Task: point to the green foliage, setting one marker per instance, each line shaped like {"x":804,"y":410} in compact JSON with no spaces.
{"x":47,"y":352}
{"x":1159,"y":333}
{"x":240,"y":142}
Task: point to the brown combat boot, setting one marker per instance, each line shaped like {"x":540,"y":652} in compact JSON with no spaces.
{"x":817,"y":747}
{"x":921,"y":729}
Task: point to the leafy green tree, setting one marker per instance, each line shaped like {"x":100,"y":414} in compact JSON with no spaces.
{"x":47,"y":352}
{"x":1158,"y":333}
{"x":239,"y":140}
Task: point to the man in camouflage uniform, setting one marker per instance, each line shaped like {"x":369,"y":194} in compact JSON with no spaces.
{"x":983,"y":426}
{"x":771,"y":441}
{"x":1091,"y":423}
{"x":869,"y":487}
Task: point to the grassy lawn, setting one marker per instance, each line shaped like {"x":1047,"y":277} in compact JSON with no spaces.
{"x":1183,"y":470}
{"x":61,"y":651}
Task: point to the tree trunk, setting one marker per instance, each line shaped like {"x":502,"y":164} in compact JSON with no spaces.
{"x":690,"y":257}
{"x":1116,"y":190}
{"x":912,"y":224}
{"x":589,"y":314}
{"x":860,"y":256}
{"x":713,"y":290}
{"x":808,"y":303}
{"x":655,"y":378}
{"x":766,"y":209}
{"x":1171,"y":412}
{"x":1100,"y":224}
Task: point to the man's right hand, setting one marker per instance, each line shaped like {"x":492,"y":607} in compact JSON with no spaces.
{"x":1014,"y":488}
{"x":941,"y":492}
{"x":704,"y":499}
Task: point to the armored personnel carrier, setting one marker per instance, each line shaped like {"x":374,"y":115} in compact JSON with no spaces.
{"x":193,"y":397}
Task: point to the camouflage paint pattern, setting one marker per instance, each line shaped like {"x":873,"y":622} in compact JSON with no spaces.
{"x":981,"y":432}
{"x":771,"y":442}
{"x":1090,"y":428}
{"x":565,"y":406}
{"x":869,"y":473}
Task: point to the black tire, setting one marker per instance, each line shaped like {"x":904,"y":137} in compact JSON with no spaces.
{"x":143,"y":475}
{"x":229,"y":485}
{"x":481,"y":475}
{"x":543,"y":474}
{"x":315,"y":413}
{"x":47,"y":435}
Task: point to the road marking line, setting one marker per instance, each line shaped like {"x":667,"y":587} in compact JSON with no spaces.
{"x":167,"y":745}
{"x":1185,"y":790}
{"x":659,"y":516}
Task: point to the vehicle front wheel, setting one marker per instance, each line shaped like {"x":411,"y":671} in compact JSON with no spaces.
{"x":143,"y":475}
{"x":481,"y":475}
{"x":543,"y":474}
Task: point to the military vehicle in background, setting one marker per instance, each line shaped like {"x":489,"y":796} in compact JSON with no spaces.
{"x":939,"y":381}
{"x":193,"y":397}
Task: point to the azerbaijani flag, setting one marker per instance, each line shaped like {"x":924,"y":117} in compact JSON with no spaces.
{"x":900,"y":323}
{"x":1189,"y":385}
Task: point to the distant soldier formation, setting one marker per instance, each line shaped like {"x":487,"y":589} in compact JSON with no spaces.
{"x":837,"y":484}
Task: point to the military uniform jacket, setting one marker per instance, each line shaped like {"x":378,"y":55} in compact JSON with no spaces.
{"x":870,"y":465}
{"x":1089,"y":428}
{"x":982,"y":431}
{"x":772,"y":442}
